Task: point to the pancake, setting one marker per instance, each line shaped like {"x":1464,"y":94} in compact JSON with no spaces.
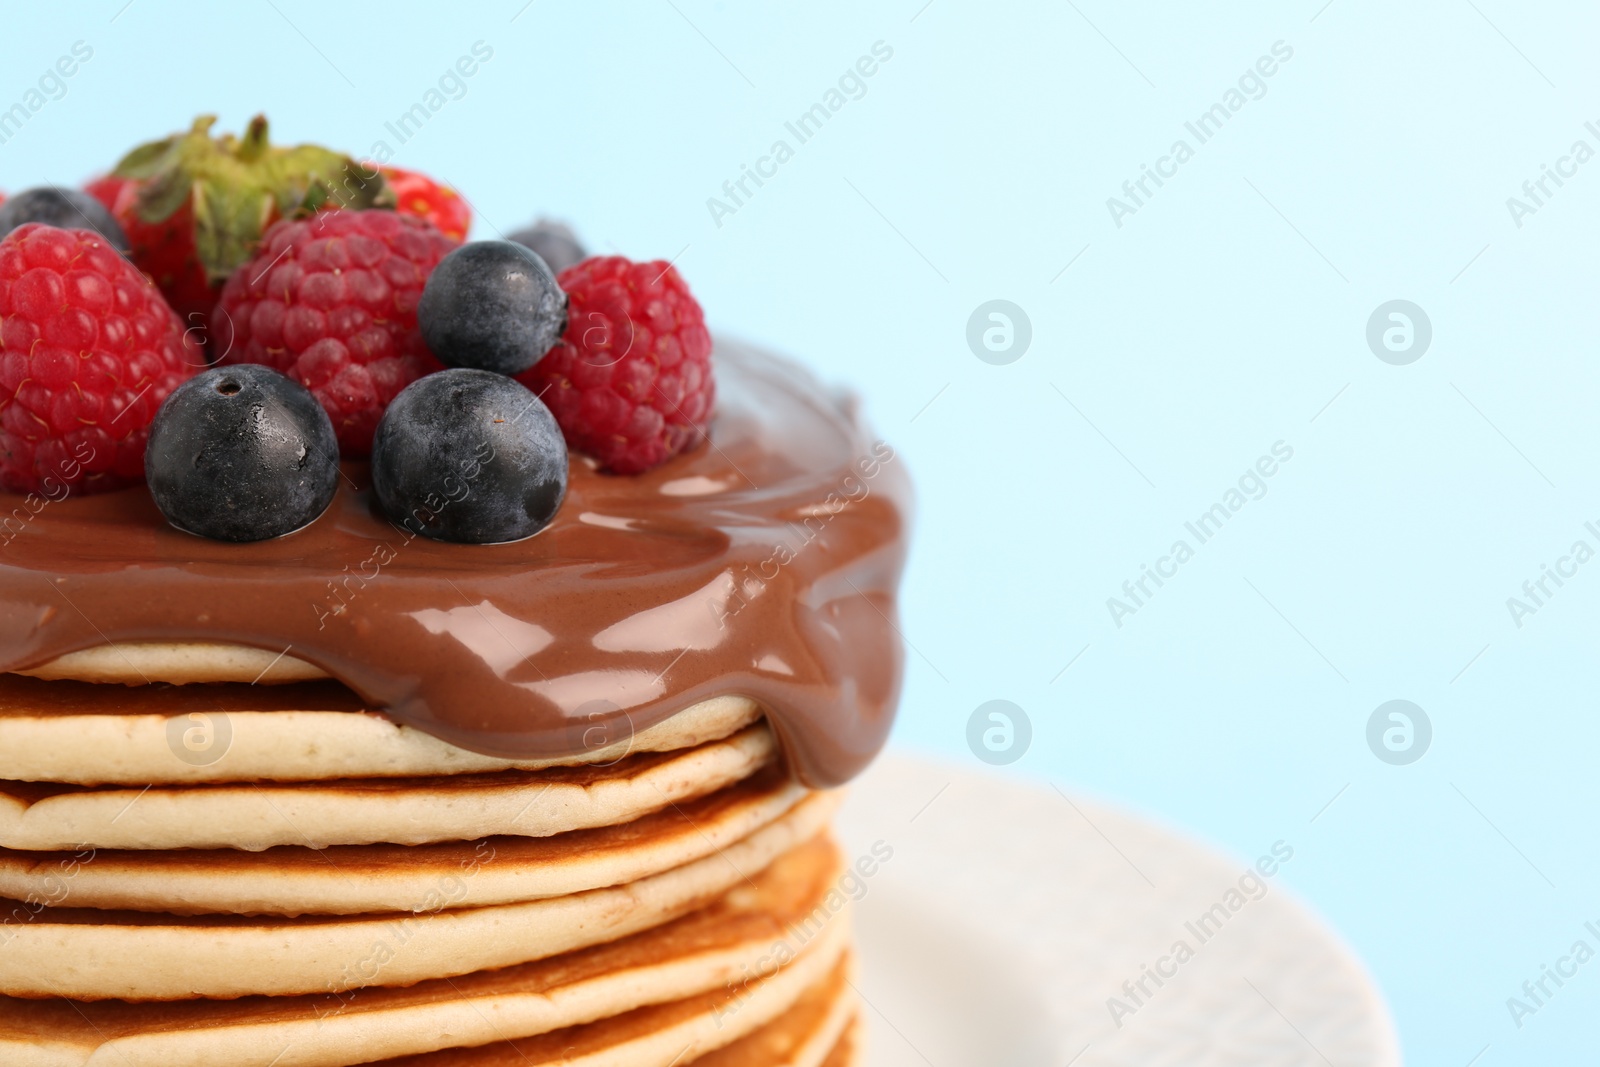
{"x":669,"y":1035}
{"x":266,"y":855}
{"x":176,"y":663}
{"x":355,"y":880}
{"x":86,"y":734}
{"x":847,"y":1053}
{"x":726,"y":943}
{"x":86,"y":954}
{"x":804,"y":1036}
{"x":359,"y":811}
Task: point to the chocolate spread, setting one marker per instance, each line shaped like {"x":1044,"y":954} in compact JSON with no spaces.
{"x":764,"y":563}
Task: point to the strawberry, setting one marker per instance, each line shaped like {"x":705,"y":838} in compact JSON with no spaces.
{"x":195,"y":206}
{"x":164,"y":250}
{"x":419,"y":195}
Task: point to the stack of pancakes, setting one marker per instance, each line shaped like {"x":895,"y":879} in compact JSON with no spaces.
{"x":212,"y":857}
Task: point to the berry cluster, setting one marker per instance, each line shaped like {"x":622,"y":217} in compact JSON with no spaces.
{"x":341,"y":316}
{"x":331,"y":301}
{"x":631,"y":379}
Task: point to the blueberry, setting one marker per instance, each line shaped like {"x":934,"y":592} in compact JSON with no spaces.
{"x":469,"y":456}
{"x":241,"y":453}
{"x":65,"y":209}
{"x":554,"y":242}
{"x":492,"y":305}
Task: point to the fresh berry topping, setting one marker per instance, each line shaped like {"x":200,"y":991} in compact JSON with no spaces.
{"x":66,"y":209}
{"x":241,"y":454}
{"x":195,"y":206}
{"x":554,"y":242}
{"x":164,"y":250}
{"x":88,"y":351}
{"x":471,"y":457}
{"x":419,"y":195}
{"x":492,"y":305}
{"x":630,"y":382}
{"x":331,"y":301}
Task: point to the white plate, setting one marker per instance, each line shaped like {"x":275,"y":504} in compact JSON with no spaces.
{"x":1009,"y":915}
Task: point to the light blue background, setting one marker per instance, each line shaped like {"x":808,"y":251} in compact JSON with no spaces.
{"x":1227,"y":314}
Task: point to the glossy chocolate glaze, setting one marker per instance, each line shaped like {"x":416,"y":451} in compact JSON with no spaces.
{"x":764,"y":563}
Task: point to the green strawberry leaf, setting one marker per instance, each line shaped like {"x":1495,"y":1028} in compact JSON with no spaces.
{"x":238,"y":185}
{"x":227,"y":226}
{"x":163,"y":195}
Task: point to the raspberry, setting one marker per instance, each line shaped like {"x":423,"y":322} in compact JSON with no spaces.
{"x":88,"y":351}
{"x":630,"y":381}
{"x":331,"y":301}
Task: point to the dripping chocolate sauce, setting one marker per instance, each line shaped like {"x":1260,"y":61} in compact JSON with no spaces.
{"x":764,"y":563}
